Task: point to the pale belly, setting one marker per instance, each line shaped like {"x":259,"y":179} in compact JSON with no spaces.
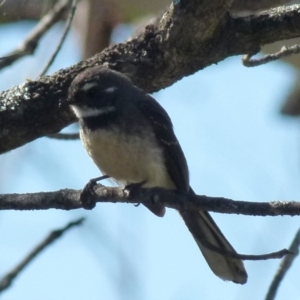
{"x":128,"y":159}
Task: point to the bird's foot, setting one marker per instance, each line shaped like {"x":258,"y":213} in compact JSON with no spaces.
{"x":87,"y":196}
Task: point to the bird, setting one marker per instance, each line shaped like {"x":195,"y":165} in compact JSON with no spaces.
{"x":130,"y":138}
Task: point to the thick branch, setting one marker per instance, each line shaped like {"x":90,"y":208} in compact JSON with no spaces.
{"x":252,"y":5}
{"x":32,"y":9}
{"x":69,"y":199}
{"x":188,"y":38}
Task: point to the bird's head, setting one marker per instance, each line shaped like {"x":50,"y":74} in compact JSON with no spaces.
{"x":97,"y":91}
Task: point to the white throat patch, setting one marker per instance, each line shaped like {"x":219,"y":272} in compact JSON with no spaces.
{"x":85,"y":111}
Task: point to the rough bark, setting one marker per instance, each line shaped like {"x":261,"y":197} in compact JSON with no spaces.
{"x":190,"y":36}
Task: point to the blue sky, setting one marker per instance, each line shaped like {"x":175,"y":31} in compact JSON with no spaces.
{"x":237,"y":146}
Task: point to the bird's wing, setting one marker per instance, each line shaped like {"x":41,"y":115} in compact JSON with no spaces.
{"x":163,"y":129}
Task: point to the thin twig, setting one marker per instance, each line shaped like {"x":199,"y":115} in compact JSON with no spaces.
{"x":248,"y":61}
{"x":284,"y":267}
{"x":64,"y":136}
{"x":62,"y":39}
{"x":273,"y":255}
{"x":7,"y":280}
{"x":30,"y":43}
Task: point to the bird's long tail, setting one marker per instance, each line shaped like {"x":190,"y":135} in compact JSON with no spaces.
{"x":205,"y":230}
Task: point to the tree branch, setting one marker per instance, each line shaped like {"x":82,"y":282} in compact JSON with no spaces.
{"x":64,"y":136}
{"x":252,"y":5}
{"x":284,"y":267}
{"x":188,"y":38}
{"x":29,"y":45}
{"x":68,"y":199}
{"x":7,"y":280}
{"x":62,"y":39}
{"x":248,"y":61}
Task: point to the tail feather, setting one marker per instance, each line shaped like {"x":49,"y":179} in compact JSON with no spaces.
{"x":204,"y":229}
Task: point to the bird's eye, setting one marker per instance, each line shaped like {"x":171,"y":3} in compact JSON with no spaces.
{"x":92,"y":92}
{"x":90,"y":89}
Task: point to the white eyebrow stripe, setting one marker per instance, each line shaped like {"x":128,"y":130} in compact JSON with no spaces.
{"x":89,"y":85}
{"x":111,"y":89}
{"x":85,"y":112}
